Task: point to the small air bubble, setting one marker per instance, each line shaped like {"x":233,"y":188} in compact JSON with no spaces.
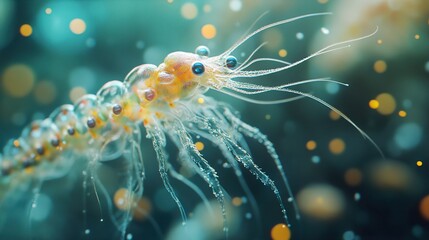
{"x":248,"y":215}
{"x":101,"y":220}
{"x":87,"y":231}
{"x":300,"y":36}
{"x":33,"y":205}
{"x":325,"y":30}
{"x":315,"y":159}
{"x":129,"y":236}
{"x":290,"y":199}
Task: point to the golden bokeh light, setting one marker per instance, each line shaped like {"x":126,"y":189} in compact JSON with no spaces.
{"x":424,"y":207}
{"x":208,"y":31}
{"x":280,"y":232}
{"x":45,"y":92}
{"x":380,"y":66}
{"x":374,"y":104}
{"x":311,"y":145}
{"x":122,"y":199}
{"x":337,"y":146}
{"x":387,"y":103}
{"x":142,"y":209}
{"x":199,"y":146}
{"x":26,"y":30}
{"x":282,"y":52}
{"x":353,"y":177}
{"x":76,"y":93}
{"x":189,"y":11}
{"x":18,"y":80}
{"x":402,"y":113}
{"x":417,"y":36}
{"x":200,"y":100}
{"x":237,"y":201}
{"x":379,"y":41}
{"x":419,"y":163}
{"x":334,"y":115}
{"x":77,"y":26}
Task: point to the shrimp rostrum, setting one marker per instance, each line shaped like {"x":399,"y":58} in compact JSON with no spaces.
{"x":169,"y":101}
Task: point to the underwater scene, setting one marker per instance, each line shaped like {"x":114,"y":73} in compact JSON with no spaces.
{"x":218,"y":119}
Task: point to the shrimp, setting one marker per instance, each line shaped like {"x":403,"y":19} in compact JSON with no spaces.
{"x":171,"y":104}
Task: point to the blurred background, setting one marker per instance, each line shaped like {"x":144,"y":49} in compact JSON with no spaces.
{"x":53,"y":52}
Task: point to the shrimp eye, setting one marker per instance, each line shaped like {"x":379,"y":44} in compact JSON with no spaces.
{"x":231,"y":62}
{"x":198,"y":68}
{"x":202,"y":51}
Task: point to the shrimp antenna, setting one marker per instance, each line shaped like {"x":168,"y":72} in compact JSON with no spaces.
{"x":236,"y":45}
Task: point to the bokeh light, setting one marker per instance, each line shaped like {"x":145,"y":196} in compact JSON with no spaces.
{"x":208,"y":31}
{"x":280,"y":232}
{"x":26,"y":30}
{"x":189,"y":11}
{"x":77,"y":26}
{"x":18,"y":80}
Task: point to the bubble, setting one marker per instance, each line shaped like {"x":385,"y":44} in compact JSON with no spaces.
{"x":129,"y":236}
{"x":87,"y":231}
{"x":321,"y":201}
{"x":408,"y":135}
{"x":248,"y":215}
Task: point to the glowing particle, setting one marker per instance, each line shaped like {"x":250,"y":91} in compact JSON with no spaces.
{"x":267,"y":117}
{"x":334,"y":115}
{"x":122,"y":199}
{"x":387,"y":103}
{"x":424,"y":207}
{"x":417,"y":36}
{"x":76,"y":93}
{"x":419,"y":163}
{"x":18,"y":80}
{"x":235,"y":5}
{"x":337,"y":146}
{"x":208,"y":31}
{"x":77,"y":26}
{"x":236,"y":201}
{"x":325,"y":30}
{"x":300,"y":35}
{"x":315,"y":159}
{"x":199,"y":146}
{"x":282,"y":52}
{"x":280,"y":232}
{"x":189,"y":11}
{"x":200,"y":100}
{"x":142,"y":209}
{"x":87,"y":231}
{"x":207,"y":8}
{"x":322,"y":1}
{"x":26,"y":30}
{"x":380,"y":66}
{"x":379,"y":41}
{"x":16,"y":143}
{"x":170,"y":1}
{"x":402,"y":113}
{"x":357,"y":196}
{"x":48,"y":11}
{"x":353,"y":177}
{"x":374,"y":104}
{"x":311,"y":145}
{"x":45,"y":92}
{"x":321,"y":201}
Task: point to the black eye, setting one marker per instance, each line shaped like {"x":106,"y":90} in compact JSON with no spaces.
{"x":231,"y":62}
{"x":203,"y":51}
{"x":198,"y":68}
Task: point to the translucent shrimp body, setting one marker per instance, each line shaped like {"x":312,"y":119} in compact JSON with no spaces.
{"x":169,"y":100}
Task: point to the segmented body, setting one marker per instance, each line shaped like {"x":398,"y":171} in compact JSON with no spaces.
{"x":169,"y":100}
